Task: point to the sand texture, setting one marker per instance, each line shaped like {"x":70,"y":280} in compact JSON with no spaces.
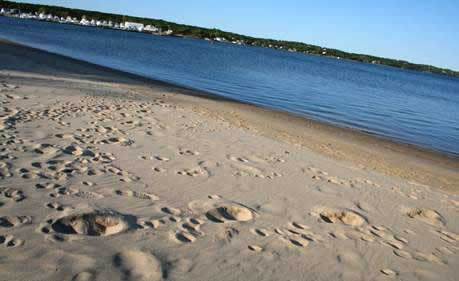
{"x":112,"y":179}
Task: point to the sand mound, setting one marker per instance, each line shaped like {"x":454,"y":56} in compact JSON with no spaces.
{"x":230,"y":213}
{"x":136,"y":265}
{"x":91,"y":224}
{"x":343,"y":216}
{"x":427,"y":215}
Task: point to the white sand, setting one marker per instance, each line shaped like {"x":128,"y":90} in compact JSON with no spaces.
{"x":100,"y":182}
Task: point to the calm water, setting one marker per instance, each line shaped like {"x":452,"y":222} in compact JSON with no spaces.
{"x":416,"y":108}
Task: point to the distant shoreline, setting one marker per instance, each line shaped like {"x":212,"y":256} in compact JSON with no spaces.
{"x":219,"y":35}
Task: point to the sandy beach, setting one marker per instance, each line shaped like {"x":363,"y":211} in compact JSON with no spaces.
{"x":108,"y":176}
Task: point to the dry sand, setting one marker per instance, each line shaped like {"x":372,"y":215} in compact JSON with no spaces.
{"x":107,"y":176}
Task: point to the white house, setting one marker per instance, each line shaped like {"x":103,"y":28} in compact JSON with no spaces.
{"x":134,"y":26}
{"x":42,"y":16}
{"x":84,"y":21}
{"x":151,"y":28}
{"x":2,"y":11}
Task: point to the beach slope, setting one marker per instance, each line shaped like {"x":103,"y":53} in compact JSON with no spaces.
{"x":109,"y":176}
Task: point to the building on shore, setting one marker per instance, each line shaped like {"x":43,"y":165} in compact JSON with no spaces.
{"x":134,"y":26}
{"x":151,"y":28}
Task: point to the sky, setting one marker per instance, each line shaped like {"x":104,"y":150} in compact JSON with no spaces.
{"x":420,"y":31}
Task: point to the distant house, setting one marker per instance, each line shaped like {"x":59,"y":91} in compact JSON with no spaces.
{"x":134,"y":26}
{"x":2,"y":11}
{"x":151,"y":28}
{"x":84,"y":21}
{"x":42,"y":16}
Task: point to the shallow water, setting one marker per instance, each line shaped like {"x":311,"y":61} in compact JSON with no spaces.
{"x":417,"y":108}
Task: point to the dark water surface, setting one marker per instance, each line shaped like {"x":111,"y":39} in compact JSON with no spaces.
{"x":416,"y":108}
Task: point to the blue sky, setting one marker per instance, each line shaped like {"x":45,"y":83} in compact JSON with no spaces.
{"x":420,"y":31}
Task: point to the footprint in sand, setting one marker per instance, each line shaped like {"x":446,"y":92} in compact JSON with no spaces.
{"x":296,"y":241}
{"x":418,"y":256}
{"x":192,"y":228}
{"x":187,"y":152}
{"x":79,"y":151}
{"x":137,"y":265}
{"x":299,"y":226}
{"x":47,"y":185}
{"x":449,"y":237}
{"x":183,"y":237}
{"x":389,"y":272}
{"x":10,"y":242}
{"x":14,"y":221}
{"x":155,"y":223}
{"x":171,"y":211}
{"x":118,"y":140}
{"x":160,"y":158}
{"x":88,"y":183}
{"x":194,"y":172}
{"x":58,"y":192}
{"x":45,"y":149}
{"x":241,"y":159}
{"x":427,"y":216}
{"x":146,"y":157}
{"x":159,"y":169}
{"x":55,"y":206}
{"x":85,"y":194}
{"x":12,"y":194}
{"x":136,"y":194}
{"x":255,"y":248}
{"x":261,"y":232}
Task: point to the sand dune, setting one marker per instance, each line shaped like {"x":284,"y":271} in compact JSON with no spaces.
{"x":116,"y":181}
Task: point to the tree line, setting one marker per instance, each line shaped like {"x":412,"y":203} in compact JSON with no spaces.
{"x":203,"y":33}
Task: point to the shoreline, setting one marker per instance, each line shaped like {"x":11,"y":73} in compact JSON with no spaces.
{"x":204,"y":94}
{"x":317,"y":135}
